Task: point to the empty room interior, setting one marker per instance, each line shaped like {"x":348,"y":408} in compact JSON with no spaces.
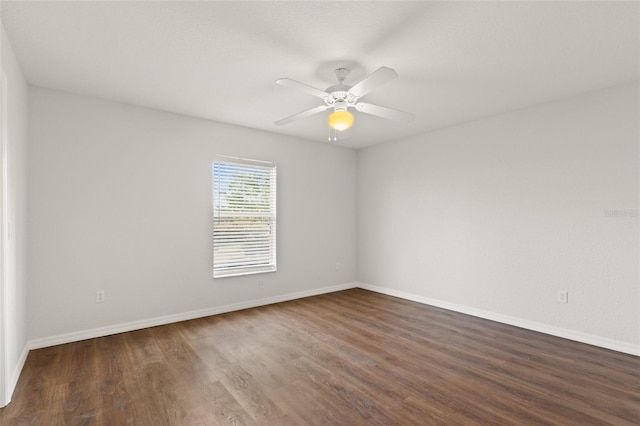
{"x":319,"y":212}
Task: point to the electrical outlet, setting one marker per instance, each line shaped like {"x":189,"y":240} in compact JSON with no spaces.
{"x":100,"y":296}
{"x":563,"y":296}
{"x":338,"y":266}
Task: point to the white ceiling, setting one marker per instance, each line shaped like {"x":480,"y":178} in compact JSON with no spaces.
{"x":457,"y":61}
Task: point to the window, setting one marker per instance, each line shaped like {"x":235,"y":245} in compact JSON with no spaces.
{"x":244,"y":217}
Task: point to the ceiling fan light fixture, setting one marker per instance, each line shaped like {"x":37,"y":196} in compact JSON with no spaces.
{"x":341,"y":120}
{"x":341,"y":97}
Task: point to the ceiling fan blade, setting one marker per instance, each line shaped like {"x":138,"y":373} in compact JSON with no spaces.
{"x":373,"y":80}
{"x":384,"y":112}
{"x":302,"y":114}
{"x":305,"y":87}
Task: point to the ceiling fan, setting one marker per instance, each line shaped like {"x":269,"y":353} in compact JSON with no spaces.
{"x":341,"y":97}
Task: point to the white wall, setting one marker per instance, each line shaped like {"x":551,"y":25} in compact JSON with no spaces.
{"x":16,"y":134}
{"x":494,"y":217}
{"x":120,"y":200}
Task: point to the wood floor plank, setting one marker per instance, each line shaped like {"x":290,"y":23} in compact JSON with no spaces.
{"x":239,"y":383}
{"x":115,"y":373}
{"x":351,"y":357}
{"x":224,"y":408}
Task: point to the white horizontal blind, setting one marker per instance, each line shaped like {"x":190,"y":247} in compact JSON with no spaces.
{"x":244,"y":217}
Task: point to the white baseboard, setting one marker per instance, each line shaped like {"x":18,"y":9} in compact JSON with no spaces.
{"x":16,"y":371}
{"x":603,"y":342}
{"x":13,"y":379}
{"x":168,"y":319}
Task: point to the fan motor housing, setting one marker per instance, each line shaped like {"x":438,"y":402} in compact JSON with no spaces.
{"x":340,"y":95}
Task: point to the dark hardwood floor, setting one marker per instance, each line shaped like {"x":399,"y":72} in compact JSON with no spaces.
{"x":349,"y":358}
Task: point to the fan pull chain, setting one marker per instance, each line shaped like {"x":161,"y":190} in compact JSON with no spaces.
{"x":333,"y":135}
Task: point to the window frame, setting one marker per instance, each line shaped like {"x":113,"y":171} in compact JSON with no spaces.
{"x":222,"y":266}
